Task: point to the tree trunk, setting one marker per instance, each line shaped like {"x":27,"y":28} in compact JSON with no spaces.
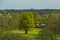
{"x":26,"y":31}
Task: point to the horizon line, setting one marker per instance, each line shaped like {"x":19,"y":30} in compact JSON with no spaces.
{"x":27,"y":8}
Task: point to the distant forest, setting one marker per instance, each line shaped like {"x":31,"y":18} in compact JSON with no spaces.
{"x":40,"y":11}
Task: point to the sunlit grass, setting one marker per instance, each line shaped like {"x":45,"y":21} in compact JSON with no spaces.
{"x":31,"y":32}
{"x":58,"y":38}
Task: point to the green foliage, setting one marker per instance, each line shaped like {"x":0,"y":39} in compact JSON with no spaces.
{"x":53,"y":23}
{"x":12,"y":21}
{"x":12,"y":36}
{"x":36,"y":17}
{"x":26,"y":20}
{"x":46,"y":34}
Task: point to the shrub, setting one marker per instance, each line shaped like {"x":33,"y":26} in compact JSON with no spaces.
{"x":12,"y":36}
{"x":46,"y":34}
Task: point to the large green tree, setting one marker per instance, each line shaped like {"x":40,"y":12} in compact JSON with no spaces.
{"x":26,"y":21}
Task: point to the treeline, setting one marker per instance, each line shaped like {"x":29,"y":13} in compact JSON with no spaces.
{"x":40,"y":11}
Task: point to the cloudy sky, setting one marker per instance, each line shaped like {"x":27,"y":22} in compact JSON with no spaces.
{"x":27,"y":4}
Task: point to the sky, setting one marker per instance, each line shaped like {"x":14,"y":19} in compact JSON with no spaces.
{"x":28,"y":4}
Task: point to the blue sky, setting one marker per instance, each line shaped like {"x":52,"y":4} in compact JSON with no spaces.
{"x":27,"y":4}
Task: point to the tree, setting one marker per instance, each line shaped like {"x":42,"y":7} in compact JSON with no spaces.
{"x":53,"y":23}
{"x":26,"y":21}
{"x":12,"y":21}
{"x":36,"y":19}
{"x":45,"y":34}
{"x":1,"y":24}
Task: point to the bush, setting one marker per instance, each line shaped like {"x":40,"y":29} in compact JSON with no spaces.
{"x":46,"y":34}
{"x":12,"y":36}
